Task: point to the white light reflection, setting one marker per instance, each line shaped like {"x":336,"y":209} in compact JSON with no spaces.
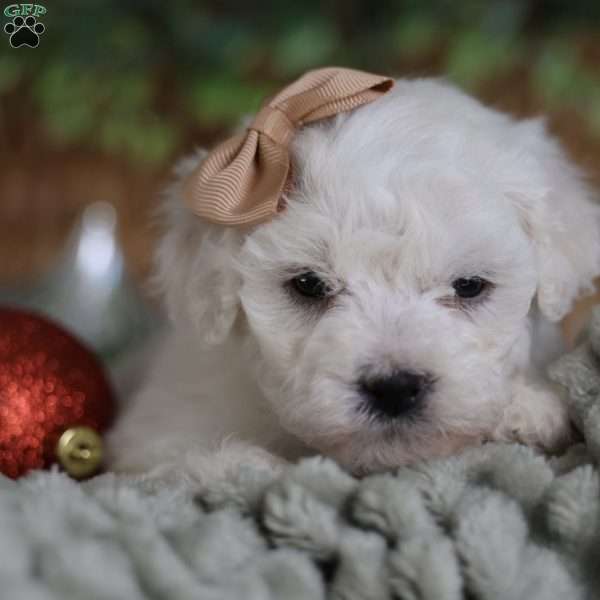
{"x":97,"y":257}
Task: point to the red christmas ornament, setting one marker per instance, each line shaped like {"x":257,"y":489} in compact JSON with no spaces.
{"x":54,"y":396}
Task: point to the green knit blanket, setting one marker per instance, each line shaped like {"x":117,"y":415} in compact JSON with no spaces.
{"x":495,"y":522}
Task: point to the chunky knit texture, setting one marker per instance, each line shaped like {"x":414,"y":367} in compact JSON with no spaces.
{"x":497,"y":522}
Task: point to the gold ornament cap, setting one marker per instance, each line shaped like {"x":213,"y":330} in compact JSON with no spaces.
{"x":80,"y":452}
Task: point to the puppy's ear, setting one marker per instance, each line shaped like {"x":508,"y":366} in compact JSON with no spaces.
{"x":562,"y":219}
{"x":195,"y":266}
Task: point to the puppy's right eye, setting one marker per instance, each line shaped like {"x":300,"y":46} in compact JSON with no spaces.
{"x":310,"y":285}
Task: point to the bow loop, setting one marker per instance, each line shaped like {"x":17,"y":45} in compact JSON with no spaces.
{"x":242,"y":180}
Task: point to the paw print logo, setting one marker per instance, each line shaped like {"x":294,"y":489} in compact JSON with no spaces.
{"x":24,"y":32}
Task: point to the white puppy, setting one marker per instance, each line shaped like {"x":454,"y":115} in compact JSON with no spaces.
{"x":387,"y":314}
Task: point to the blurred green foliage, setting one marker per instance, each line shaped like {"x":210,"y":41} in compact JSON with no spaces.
{"x":130,"y":76}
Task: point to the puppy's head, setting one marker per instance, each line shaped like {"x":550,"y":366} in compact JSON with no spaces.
{"x":388,"y":304}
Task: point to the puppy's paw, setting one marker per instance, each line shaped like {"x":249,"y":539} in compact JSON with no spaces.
{"x":538,"y":417}
{"x":229,"y":462}
{"x":235,"y":474}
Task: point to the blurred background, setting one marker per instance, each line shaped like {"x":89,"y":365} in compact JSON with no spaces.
{"x":92,"y":119}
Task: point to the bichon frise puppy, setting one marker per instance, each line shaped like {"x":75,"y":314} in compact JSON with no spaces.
{"x":392,"y":312}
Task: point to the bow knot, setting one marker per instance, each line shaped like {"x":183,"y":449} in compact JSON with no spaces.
{"x":275,"y":124}
{"x":241,"y":181}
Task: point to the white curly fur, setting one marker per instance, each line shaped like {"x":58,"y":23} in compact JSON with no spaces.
{"x":390,"y":204}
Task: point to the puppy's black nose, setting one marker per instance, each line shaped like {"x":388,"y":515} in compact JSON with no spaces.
{"x":395,"y":395}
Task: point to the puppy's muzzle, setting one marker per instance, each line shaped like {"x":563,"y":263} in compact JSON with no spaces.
{"x":397,"y":395}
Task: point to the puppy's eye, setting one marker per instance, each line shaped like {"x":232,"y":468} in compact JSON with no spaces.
{"x":470,"y":287}
{"x":310,"y":285}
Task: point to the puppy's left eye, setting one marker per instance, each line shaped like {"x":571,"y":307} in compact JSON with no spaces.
{"x":470,"y":287}
{"x":310,"y":285}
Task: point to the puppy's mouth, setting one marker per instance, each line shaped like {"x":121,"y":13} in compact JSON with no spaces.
{"x":389,"y":449}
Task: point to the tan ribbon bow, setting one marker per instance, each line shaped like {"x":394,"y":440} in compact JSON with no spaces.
{"x":241,"y":181}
